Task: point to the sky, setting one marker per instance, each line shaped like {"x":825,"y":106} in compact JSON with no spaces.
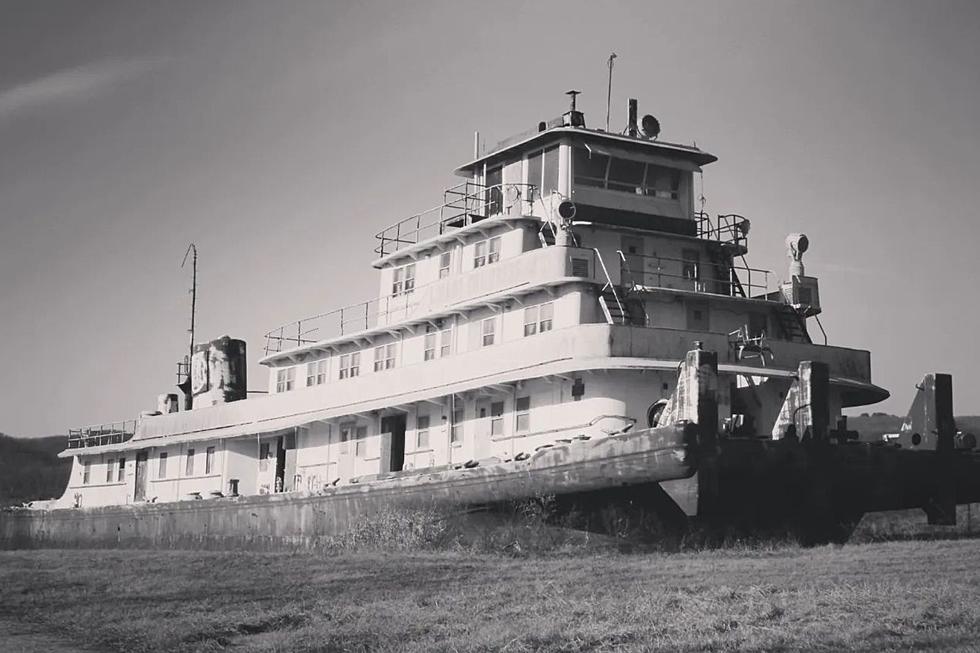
{"x":280,"y":137}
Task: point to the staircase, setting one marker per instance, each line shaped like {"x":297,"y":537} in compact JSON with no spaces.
{"x":792,"y":324}
{"x":612,"y":308}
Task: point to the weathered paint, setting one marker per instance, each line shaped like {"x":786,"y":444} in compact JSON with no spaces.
{"x":303,"y":519}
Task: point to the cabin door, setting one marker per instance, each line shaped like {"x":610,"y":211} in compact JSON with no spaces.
{"x":482,"y":441}
{"x":392,"y":443}
{"x":141,"y":464}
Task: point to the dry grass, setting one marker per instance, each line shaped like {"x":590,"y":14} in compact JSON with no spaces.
{"x":876,"y":597}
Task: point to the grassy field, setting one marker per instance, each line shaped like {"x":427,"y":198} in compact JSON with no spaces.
{"x":871,"y":597}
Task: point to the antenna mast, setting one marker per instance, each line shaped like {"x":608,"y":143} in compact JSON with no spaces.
{"x":192,"y":248}
{"x":609,"y":92}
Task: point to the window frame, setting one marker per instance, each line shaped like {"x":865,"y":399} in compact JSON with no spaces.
{"x":350,"y":365}
{"x":189,"y":463}
{"x":496,"y":419}
{"x":522,"y":409}
{"x":121,"y":475}
{"x":486,"y":252}
{"x":209,"y":461}
{"x":87,"y":471}
{"x":403,"y":280}
{"x":162,"y":465}
{"x":110,"y":470}
{"x":423,"y":423}
{"x":445,"y":263}
{"x":316,"y":372}
{"x":385,"y":356}
{"x":492,"y":333}
{"x":285,"y":379}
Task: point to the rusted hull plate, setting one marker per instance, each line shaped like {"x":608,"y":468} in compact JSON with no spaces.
{"x":274,"y":521}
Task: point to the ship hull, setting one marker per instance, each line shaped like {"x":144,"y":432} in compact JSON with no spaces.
{"x":311,"y":520}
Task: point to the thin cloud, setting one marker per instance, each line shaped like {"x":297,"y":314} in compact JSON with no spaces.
{"x":71,"y":85}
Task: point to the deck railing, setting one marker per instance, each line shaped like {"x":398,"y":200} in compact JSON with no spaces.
{"x":730,"y":229}
{"x":640,"y":272}
{"x":462,"y":206}
{"x":101,"y":434}
{"x":338,"y":322}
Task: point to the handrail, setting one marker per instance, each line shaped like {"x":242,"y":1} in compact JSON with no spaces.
{"x":101,"y":434}
{"x":625,"y":268}
{"x":698,"y":281}
{"x":731,"y":229}
{"x":463,"y":205}
{"x":609,"y":284}
{"x":379,"y":311}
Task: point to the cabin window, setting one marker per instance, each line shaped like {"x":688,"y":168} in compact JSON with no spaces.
{"x":445,"y":259}
{"x":162,"y":469}
{"x":209,"y":460}
{"x":456,"y":432}
{"x":403,"y":280}
{"x":661,"y":182}
{"x":189,"y":463}
{"x":285,"y":379}
{"x":497,"y":418}
{"x":486,"y":252}
{"x":489,"y":331}
{"x":522,"y":409}
{"x":120,"y":477}
{"x":437,"y":343}
{"x":626,"y":175}
{"x":350,"y":365}
{"x":538,"y":319}
{"x":493,"y":196}
{"x":265,"y":452}
{"x":446,"y":342}
{"x":590,"y":167}
{"x":87,"y":469}
{"x":542,"y":170}
{"x":110,"y":468}
{"x":316,"y":372}
{"x":422,"y":432}
{"x":384,"y":357}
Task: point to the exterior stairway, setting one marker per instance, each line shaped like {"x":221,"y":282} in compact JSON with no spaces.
{"x":615,"y":311}
{"x":792,"y":324}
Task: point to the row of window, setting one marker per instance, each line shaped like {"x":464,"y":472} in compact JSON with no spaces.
{"x":116,"y":467}
{"x":593,"y":168}
{"x":436,"y":344}
{"x":485,"y":252}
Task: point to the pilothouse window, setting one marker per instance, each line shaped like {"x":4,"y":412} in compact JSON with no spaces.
{"x":594,"y":168}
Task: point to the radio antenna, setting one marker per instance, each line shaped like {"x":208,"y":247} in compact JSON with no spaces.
{"x":192,"y":248}
{"x":609,"y":92}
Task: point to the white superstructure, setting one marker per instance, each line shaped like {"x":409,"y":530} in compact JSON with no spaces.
{"x":552,"y":295}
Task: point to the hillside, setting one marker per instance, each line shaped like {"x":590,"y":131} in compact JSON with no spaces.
{"x":30,"y":469}
{"x":872,"y":426}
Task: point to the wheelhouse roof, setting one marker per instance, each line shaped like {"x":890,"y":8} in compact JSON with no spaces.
{"x":526,"y":142}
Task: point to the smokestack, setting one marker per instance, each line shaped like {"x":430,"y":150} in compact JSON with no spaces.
{"x":631,"y":128}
